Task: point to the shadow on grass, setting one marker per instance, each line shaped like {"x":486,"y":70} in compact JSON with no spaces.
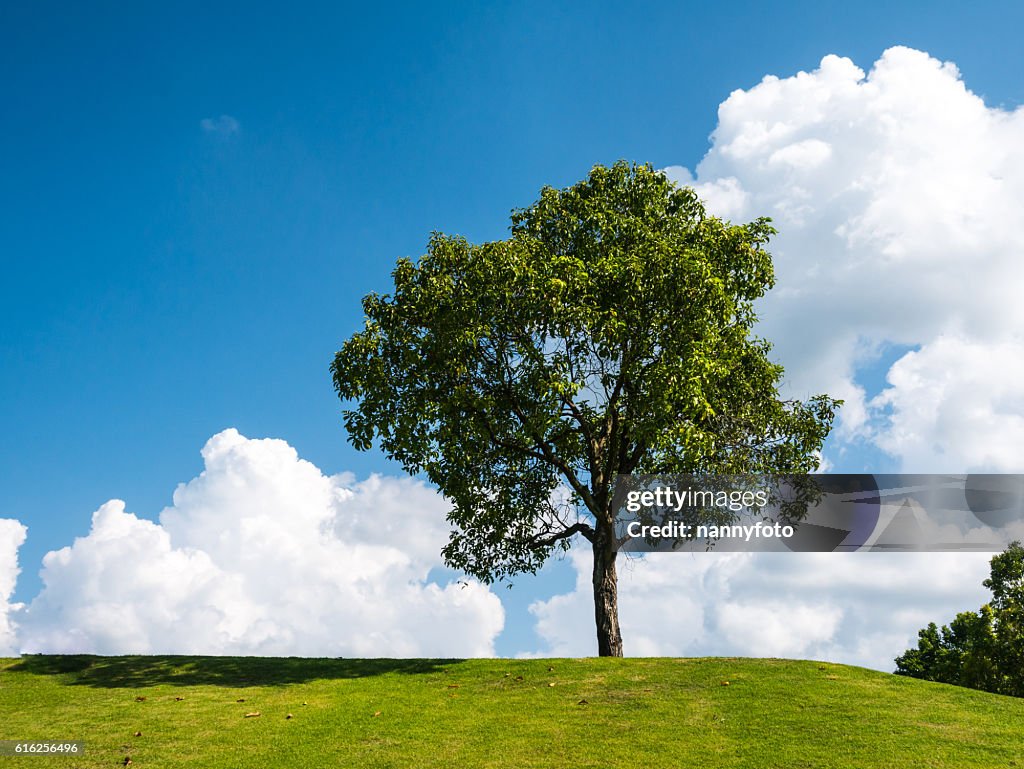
{"x":131,"y":672}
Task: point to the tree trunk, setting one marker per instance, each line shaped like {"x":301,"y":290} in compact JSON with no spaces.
{"x":606,"y":598}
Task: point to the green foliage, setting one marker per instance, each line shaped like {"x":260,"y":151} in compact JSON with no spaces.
{"x":610,"y":334}
{"x":983,"y":649}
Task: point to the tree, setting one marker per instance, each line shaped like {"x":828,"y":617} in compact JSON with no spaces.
{"x":610,"y":334}
{"x":983,"y":649}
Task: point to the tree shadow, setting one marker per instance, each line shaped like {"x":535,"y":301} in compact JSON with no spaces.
{"x":236,"y":672}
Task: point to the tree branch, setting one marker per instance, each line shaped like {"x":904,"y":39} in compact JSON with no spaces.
{"x":577,"y":528}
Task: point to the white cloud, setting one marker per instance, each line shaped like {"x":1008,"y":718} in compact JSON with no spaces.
{"x":225,"y":125}
{"x":854,"y":608}
{"x":12,"y":536}
{"x":263,"y":554}
{"x":957,"y":403}
{"x":895,"y":193}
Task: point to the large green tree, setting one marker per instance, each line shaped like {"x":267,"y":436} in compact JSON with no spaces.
{"x":611,"y":333}
{"x":983,"y":649}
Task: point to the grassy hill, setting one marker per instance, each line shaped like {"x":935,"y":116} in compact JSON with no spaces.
{"x":498,"y":713}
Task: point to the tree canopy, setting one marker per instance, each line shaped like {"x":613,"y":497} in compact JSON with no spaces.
{"x":983,"y":649}
{"x":611,"y":333}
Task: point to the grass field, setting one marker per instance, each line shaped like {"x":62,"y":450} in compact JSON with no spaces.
{"x":498,"y":713}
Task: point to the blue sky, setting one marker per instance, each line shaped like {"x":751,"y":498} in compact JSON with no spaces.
{"x":165,"y":278}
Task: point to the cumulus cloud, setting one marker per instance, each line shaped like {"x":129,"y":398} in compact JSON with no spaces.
{"x":854,"y":608}
{"x":970,"y":391}
{"x":894,"y":192}
{"x":264,"y":554}
{"x":12,"y":536}
{"x":225,"y":125}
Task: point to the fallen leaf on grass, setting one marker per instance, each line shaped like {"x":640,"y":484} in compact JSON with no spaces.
{"x":582,"y":702}
{"x":725,"y":683}
{"x":376,"y":714}
{"x":453,"y":686}
{"x":552,"y":683}
{"x":254,"y":714}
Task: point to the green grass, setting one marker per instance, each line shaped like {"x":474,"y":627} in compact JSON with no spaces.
{"x":498,"y":713}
